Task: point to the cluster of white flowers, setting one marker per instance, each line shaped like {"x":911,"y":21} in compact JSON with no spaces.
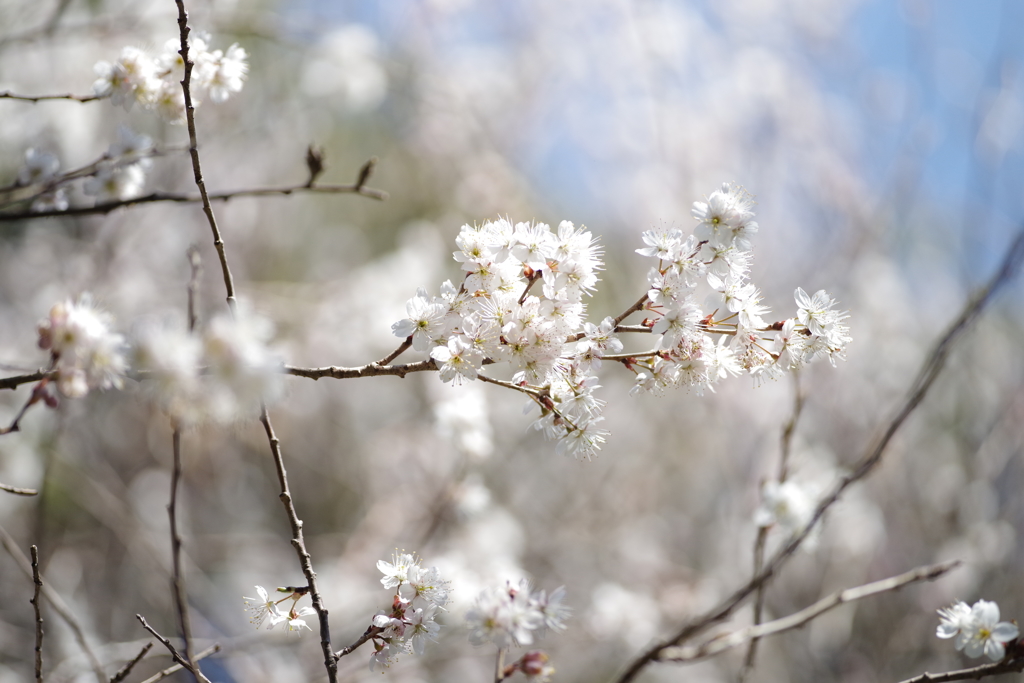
{"x":420,"y":594}
{"x":497,"y":315}
{"x":122,"y":172}
{"x":266,"y":611}
{"x":119,"y":174}
{"x":41,"y":169}
{"x":719,"y":252}
{"x":221,"y":374}
{"x":521,"y":304}
{"x":155,"y":82}
{"x":977,"y":629}
{"x":84,"y":351}
{"x":511,"y":615}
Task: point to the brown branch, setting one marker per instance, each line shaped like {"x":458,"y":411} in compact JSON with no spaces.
{"x":299,"y":543}
{"x":123,"y":672}
{"x":370,"y":632}
{"x":919,"y":388}
{"x":371,"y":370}
{"x":174,"y":652}
{"x":59,"y":606}
{"x":718,"y":644}
{"x":196,"y":267}
{"x":193,"y":148}
{"x":762,"y":534}
{"x":39,"y":615}
{"x":17,"y":381}
{"x":19,"y":492}
{"x":177,"y":579}
{"x":402,"y":348}
{"x":973,"y":674}
{"x":509,"y":385}
{"x":107,"y":207}
{"x":8,"y":95}
{"x":178,"y":667}
{"x":638,"y":306}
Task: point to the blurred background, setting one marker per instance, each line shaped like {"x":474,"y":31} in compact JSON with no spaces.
{"x":883,"y":143}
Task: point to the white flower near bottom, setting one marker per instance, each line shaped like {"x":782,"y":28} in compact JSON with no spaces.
{"x":977,"y":629}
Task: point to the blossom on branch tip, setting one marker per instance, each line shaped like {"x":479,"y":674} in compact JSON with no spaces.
{"x":977,"y":629}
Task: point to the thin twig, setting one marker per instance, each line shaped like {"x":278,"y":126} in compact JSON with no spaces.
{"x":39,"y":615}
{"x":299,"y":543}
{"x":123,"y":672}
{"x":20,"y":492}
{"x":174,"y":652}
{"x":930,"y":369}
{"x":193,"y":148}
{"x":178,"y":667}
{"x":510,"y":385}
{"x":8,"y":95}
{"x":195,"y":266}
{"x":973,"y":674}
{"x":370,"y":632}
{"x":177,"y":579}
{"x":762,"y":534}
{"x":719,"y":644}
{"x":397,"y":352}
{"x":108,"y":206}
{"x":56,"y":602}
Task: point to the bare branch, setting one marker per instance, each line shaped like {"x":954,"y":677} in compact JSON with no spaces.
{"x":177,"y":579}
{"x":919,"y":388}
{"x":973,"y":674}
{"x":107,"y":207}
{"x":402,"y":348}
{"x":56,"y":602}
{"x":213,"y":649}
{"x":123,"y":672}
{"x":174,"y":652}
{"x":370,"y":632}
{"x":720,"y":644}
{"x":193,"y":149}
{"x":19,"y":492}
{"x":371,"y":370}
{"x":8,"y":95}
{"x":17,"y":381}
{"x":39,"y":615}
{"x":299,"y":543}
{"x":762,"y":534}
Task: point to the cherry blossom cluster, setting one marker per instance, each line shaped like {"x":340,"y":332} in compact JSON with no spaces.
{"x":521,"y":305}
{"x":155,"y":82}
{"x":85,"y":353}
{"x":719,"y":252}
{"x":977,"y":629}
{"x":420,"y":594}
{"x":264,"y":610}
{"x":122,"y":171}
{"x":119,"y":174}
{"x":220,"y":374}
{"x":513,"y":615}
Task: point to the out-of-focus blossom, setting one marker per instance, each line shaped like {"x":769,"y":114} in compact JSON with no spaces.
{"x":509,"y":615}
{"x":85,"y":352}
